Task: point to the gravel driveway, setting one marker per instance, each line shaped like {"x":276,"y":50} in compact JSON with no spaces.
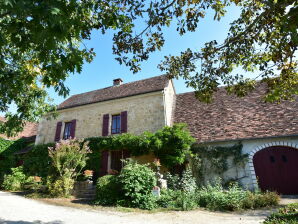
{"x":19,"y":210}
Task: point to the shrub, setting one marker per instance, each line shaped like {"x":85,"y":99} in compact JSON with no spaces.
{"x":107,"y":190}
{"x":8,"y":158}
{"x":33,"y":183}
{"x":286,"y":215}
{"x":137,"y":182}
{"x":173,"y":181}
{"x":178,"y":200}
{"x":216,"y":198}
{"x":60,"y":187}
{"x":167,"y":199}
{"x":68,"y":158}
{"x":186,"y":200}
{"x":259,"y":200}
{"x":14,"y":181}
{"x":186,"y":182}
{"x":37,"y":161}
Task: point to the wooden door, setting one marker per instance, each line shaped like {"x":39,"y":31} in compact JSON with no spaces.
{"x":277,"y":169}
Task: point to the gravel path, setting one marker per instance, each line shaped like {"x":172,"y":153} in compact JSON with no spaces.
{"x":19,"y":210}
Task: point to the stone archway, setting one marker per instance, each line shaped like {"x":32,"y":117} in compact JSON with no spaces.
{"x":267,"y":147}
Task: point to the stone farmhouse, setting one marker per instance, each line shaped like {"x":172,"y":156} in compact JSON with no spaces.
{"x":268,"y":131}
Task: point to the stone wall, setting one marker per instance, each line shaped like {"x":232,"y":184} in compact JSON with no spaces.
{"x":246,"y":175}
{"x":170,"y":101}
{"x":145,"y":113}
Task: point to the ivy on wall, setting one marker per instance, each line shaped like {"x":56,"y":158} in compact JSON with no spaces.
{"x":37,"y":160}
{"x":7,"y":154}
{"x":170,"y":144}
{"x":209,"y":159}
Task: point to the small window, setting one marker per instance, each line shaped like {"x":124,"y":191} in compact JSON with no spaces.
{"x":272,"y":159}
{"x":67,"y":128}
{"x":116,"y":120}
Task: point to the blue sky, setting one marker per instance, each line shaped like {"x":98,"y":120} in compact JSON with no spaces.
{"x":104,"y":68}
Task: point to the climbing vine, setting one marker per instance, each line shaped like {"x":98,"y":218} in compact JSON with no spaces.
{"x":170,"y":144}
{"x":214,"y":159}
{"x":7,"y":154}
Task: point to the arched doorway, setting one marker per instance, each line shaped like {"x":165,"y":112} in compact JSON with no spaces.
{"x":276,"y":169}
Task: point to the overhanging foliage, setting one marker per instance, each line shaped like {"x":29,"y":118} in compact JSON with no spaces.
{"x":170,"y":144}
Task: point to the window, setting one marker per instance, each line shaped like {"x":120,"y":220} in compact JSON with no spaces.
{"x":116,"y":120}
{"x":272,"y":159}
{"x":67,"y":128}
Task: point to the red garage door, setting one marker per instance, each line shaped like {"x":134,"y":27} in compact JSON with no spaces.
{"x":277,"y":169}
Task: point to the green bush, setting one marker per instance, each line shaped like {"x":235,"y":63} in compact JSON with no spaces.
{"x":173,"y":181}
{"x":137,"y":182}
{"x":107,"y":190}
{"x":216,"y":198}
{"x":286,"y":215}
{"x":177,"y":200}
{"x":186,"y":200}
{"x":60,"y":187}
{"x":260,"y":200}
{"x":68,"y":158}
{"x":186,"y":182}
{"x":37,"y":161}
{"x":167,"y":199}
{"x":14,"y":181}
{"x":8,"y":158}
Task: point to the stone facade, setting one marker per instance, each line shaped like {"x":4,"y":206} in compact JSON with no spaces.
{"x":246,"y":175}
{"x":146,"y":112}
{"x":227,"y":118}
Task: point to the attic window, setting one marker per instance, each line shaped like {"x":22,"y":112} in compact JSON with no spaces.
{"x":116,"y":121}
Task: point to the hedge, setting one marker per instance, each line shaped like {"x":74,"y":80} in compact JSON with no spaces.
{"x":8,"y":158}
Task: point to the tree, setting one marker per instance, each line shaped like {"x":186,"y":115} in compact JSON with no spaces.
{"x":42,"y":42}
{"x":263,"y":40}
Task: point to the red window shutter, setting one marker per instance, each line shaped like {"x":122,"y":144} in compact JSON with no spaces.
{"x":105,"y":125}
{"x":123,"y":121}
{"x":58,"y":131}
{"x":104,"y":163}
{"x":73,"y":128}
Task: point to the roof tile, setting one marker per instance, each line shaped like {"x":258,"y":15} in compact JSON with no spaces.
{"x":229,"y":117}
{"x":115,"y":92}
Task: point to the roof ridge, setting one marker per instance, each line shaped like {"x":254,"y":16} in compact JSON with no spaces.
{"x":115,"y":86}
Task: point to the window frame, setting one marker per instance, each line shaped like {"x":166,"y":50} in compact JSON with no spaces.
{"x":66,"y":125}
{"x":116,"y":130}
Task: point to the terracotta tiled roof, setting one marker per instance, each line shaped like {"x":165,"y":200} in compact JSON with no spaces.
{"x":115,"y":92}
{"x":29,"y":131}
{"x":231,"y":118}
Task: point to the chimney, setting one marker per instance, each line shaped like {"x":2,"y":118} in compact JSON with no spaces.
{"x":117,"y":82}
